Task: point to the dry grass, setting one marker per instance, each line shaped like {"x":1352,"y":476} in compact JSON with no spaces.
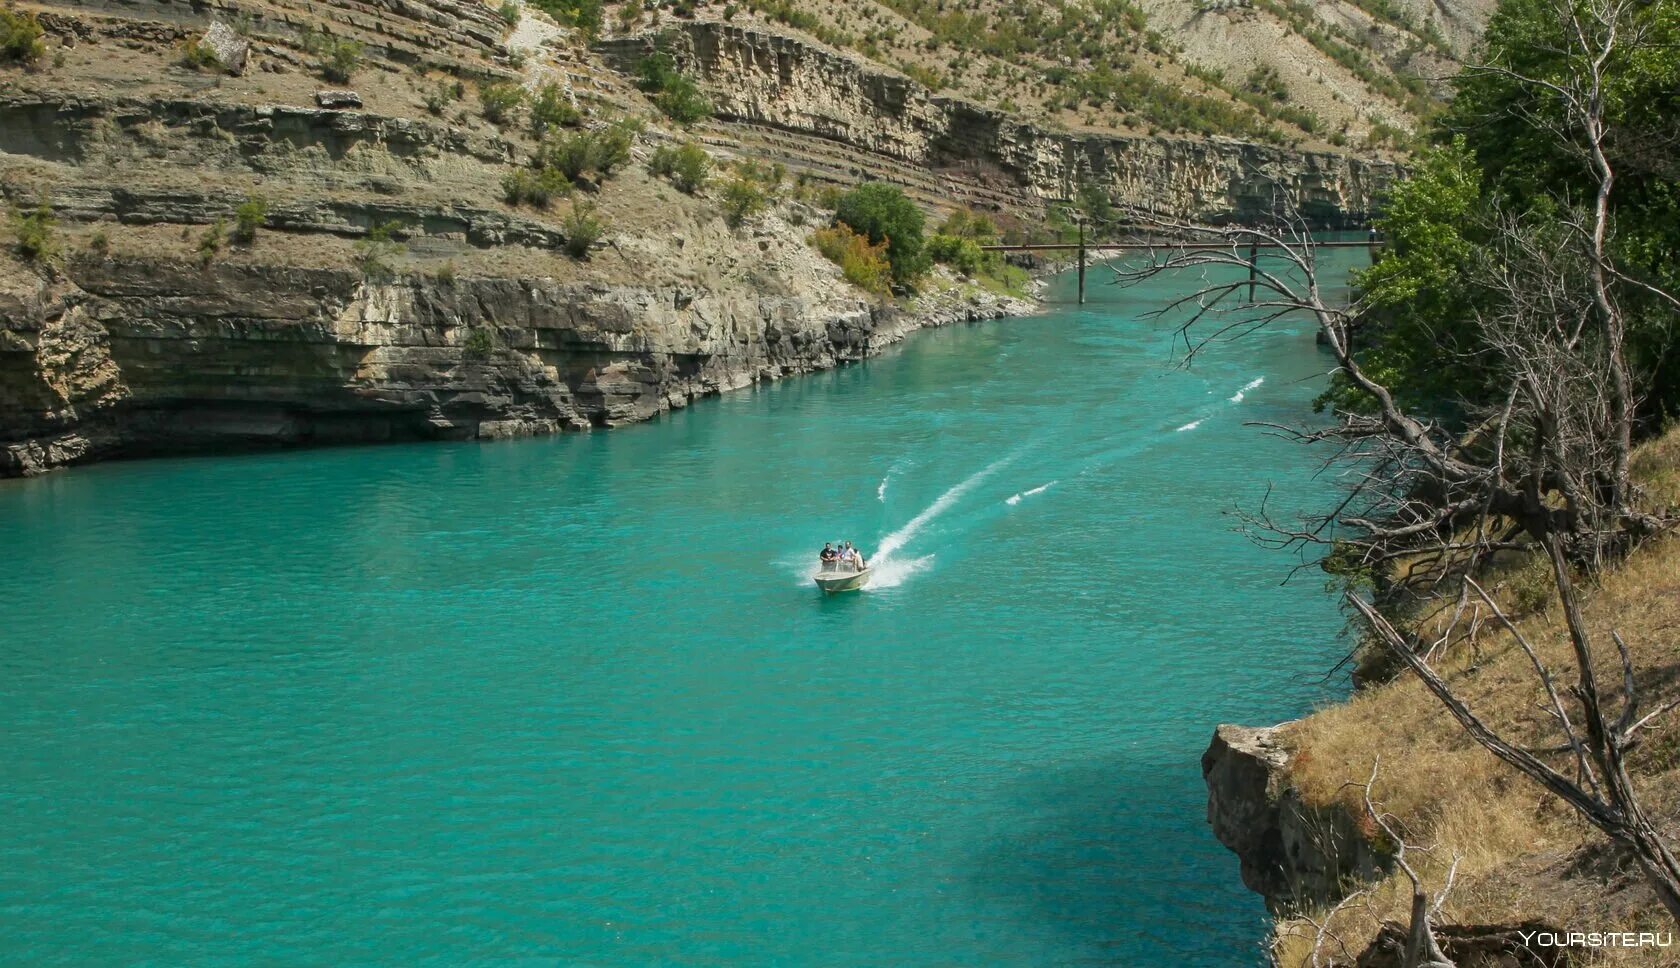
{"x":1522,"y":853}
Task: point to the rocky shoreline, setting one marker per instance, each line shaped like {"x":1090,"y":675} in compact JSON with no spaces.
{"x":119,"y":360}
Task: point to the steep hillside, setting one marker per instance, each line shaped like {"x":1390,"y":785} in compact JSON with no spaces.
{"x":1289,"y":799}
{"x":293,"y":221}
{"x":1353,"y":72}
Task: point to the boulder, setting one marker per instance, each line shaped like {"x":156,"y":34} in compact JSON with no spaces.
{"x":230,"y":48}
{"x":337,"y":100}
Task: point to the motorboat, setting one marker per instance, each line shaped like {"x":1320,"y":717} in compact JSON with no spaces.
{"x":836,"y":578}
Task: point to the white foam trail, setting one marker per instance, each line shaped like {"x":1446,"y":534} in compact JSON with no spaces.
{"x":1251,"y":385}
{"x":892,"y":573}
{"x":881,"y":492}
{"x":1015,"y":499}
{"x":899,"y":538}
{"x":1192,"y":425}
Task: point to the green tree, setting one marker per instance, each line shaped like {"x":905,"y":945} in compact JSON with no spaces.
{"x":883,"y":213}
{"x":499,"y":101}
{"x":687,"y":166}
{"x":249,"y":216}
{"x":20,"y":36}
{"x":1418,"y":338}
{"x":550,"y":108}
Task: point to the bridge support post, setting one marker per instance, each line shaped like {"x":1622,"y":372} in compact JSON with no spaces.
{"x":1253,"y":268}
{"x":1081,"y":262}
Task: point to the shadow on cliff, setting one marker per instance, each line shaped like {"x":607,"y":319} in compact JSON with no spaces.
{"x":1114,"y":856}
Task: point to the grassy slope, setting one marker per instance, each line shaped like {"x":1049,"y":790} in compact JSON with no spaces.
{"x":1522,"y":854}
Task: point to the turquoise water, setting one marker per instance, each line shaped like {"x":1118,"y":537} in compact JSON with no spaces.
{"x":574,"y":701}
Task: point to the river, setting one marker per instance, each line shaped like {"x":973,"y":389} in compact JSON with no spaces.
{"x":573,"y":700}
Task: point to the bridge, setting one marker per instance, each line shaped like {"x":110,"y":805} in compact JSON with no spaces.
{"x":1083,"y":247}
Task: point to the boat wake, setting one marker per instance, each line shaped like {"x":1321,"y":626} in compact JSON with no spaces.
{"x":1192,"y":425}
{"x":1015,"y":499}
{"x":903,"y":536}
{"x":1252,"y":384}
{"x":892,"y":572}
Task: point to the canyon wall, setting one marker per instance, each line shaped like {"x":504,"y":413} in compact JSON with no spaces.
{"x":128,"y":358}
{"x":985,"y":156}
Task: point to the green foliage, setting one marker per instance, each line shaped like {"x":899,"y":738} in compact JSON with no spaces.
{"x":883,"y":213}
{"x":674,"y":93}
{"x":598,"y":152}
{"x":499,"y":101}
{"x":100,"y":244}
{"x":1499,"y":152}
{"x":583,"y":228}
{"x":509,"y":12}
{"x":20,"y":36}
{"x":479,"y":344}
{"x":963,"y":255}
{"x":199,"y":57}
{"x":925,"y":76}
{"x":584,"y":15}
{"x":862,"y":264}
{"x":211,"y":242}
{"x":249,"y":216}
{"x":444,"y":93}
{"x":375,"y":252}
{"x":742,"y":199}
{"x":1419,"y":292}
{"x":550,"y":109}
{"x":338,"y":59}
{"x":786,"y":12}
{"x":687,"y":166}
{"x":964,"y":224}
{"x":536,"y":187}
{"x":33,"y":230}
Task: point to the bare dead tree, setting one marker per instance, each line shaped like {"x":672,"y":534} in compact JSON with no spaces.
{"x":1421,"y":949}
{"x":1597,"y":741}
{"x":1546,"y":469}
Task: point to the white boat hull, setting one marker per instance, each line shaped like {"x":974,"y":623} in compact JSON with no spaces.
{"x":841,"y":581}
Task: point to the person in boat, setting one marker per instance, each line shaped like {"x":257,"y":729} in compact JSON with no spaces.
{"x":852,"y":557}
{"x":829,"y":557}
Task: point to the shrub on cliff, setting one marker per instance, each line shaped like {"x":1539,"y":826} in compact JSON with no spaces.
{"x":687,"y":166}
{"x":535,"y":187}
{"x":443,"y":94}
{"x":742,"y":199}
{"x":674,"y":93}
{"x":883,"y":213}
{"x":199,"y":57}
{"x":550,"y":108}
{"x":338,"y":59}
{"x":249,"y":216}
{"x":864,"y":265}
{"x":499,"y":101}
{"x":374,"y":253}
{"x":583,"y":229}
{"x":599,"y":152}
{"x":584,"y":15}
{"x":33,"y":229}
{"x":20,"y":36}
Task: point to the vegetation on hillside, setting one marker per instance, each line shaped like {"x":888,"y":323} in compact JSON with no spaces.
{"x":1495,"y":373}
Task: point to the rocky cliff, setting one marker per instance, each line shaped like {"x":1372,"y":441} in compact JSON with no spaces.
{"x":125,"y":357}
{"x":983,"y":156}
{"x":1296,"y":855}
{"x":393,"y":288}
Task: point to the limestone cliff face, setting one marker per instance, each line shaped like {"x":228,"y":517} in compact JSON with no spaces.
{"x":127,"y":358}
{"x":980,"y":155}
{"x":1294,"y":854}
